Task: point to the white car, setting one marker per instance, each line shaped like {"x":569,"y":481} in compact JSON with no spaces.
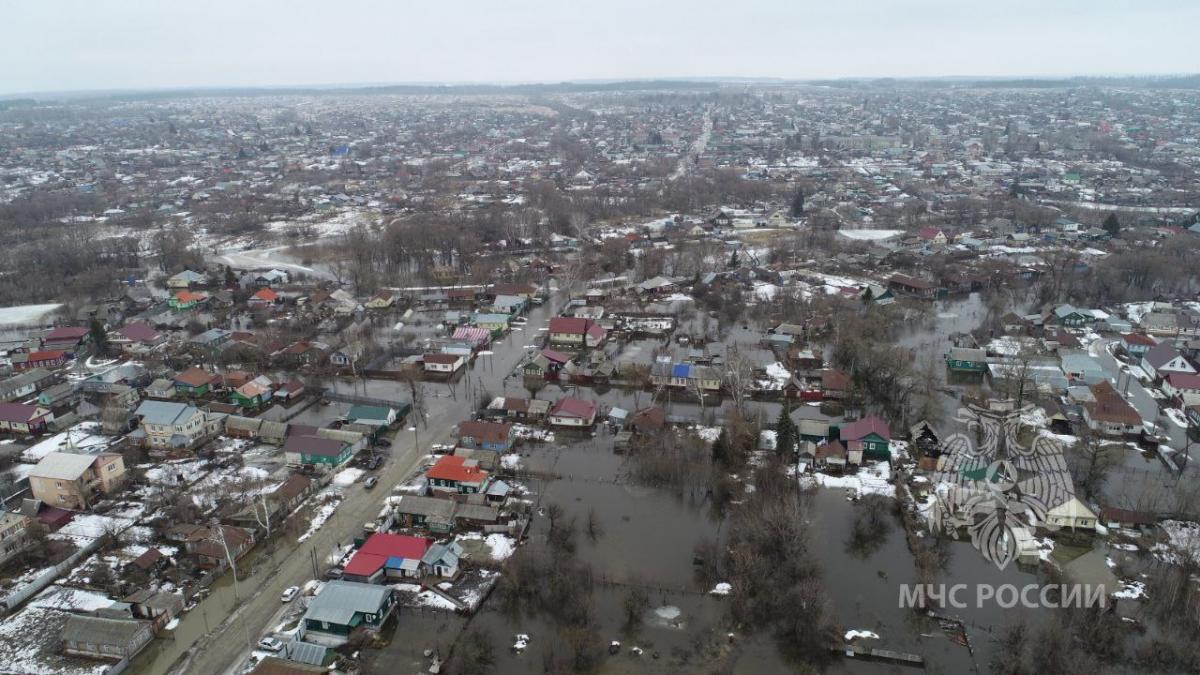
{"x":290,"y":593}
{"x":271,"y":644}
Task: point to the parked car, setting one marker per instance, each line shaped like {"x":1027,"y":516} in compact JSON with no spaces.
{"x":371,"y":482}
{"x":271,"y":644}
{"x":290,"y":593}
{"x":333,"y":574}
{"x":441,"y":448}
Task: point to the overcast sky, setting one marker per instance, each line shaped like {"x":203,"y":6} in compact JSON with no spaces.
{"x":58,"y":45}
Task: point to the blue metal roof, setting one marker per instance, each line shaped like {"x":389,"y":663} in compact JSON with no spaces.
{"x":680,"y":370}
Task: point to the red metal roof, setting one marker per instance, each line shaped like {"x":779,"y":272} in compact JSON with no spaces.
{"x":569,"y":325}
{"x":455,"y":468}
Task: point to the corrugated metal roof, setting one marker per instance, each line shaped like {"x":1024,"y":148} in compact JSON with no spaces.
{"x":338,"y":601}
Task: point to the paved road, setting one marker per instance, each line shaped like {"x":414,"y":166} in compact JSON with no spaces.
{"x":224,"y":648}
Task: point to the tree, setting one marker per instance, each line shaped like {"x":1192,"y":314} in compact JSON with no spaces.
{"x":798,"y":203}
{"x":733,"y":261}
{"x":476,"y":655}
{"x":785,"y":434}
{"x":722,"y":453}
{"x":99,"y":336}
{"x":1090,"y":461}
{"x":1111,"y":225}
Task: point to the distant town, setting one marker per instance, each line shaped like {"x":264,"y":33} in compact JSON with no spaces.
{"x":662,"y":377}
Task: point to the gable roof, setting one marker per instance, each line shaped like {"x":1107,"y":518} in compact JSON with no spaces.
{"x":19,"y":413}
{"x":101,"y":631}
{"x":569,"y":325}
{"x":165,"y":412}
{"x":1160,"y":355}
{"x":196,"y":377}
{"x":63,"y":466}
{"x":138,"y":331}
{"x":339,"y":601}
{"x":569,"y":406}
{"x":487,"y":432}
{"x":860,"y":429}
{"x":313,"y":445}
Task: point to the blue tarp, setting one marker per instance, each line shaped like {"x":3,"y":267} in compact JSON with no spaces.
{"x":680,"y":370}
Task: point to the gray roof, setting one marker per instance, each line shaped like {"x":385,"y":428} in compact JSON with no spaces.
{"x":339,"y":601}
{"x":967,"y":354}
{"x":165,"y":412}
{"x":304,"y":652}
{"x":426,"y":506}
{"x":18,"y":381}
{"x":62,"y":466}
{"x":100,"y":631}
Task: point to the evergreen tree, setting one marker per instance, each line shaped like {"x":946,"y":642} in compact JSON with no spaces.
{"x":786,"y":434}
{"x":733,"y":261}
{"x":99,"y":337}
{"x":721,"y":451}
{"x":798,"y":203}
{"x":230,"y":277}
{"x":1111,"y":225}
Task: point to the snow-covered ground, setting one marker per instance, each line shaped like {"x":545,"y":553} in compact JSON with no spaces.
{"x":1184,"y":537}
{"x":84,"y":437}
{"x":870,"y":235}
{"x":323,"y":513}
{"x":23,"y":315}
{"x":347,"y":477}
{"x":871,"y":479}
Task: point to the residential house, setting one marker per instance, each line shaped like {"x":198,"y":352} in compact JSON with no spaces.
{"x":212,"y":547}
{"x":381,"y":300}
{"x":182,"y":301}
{"x":442,"y":363}
{"x":253,"y":394}
{"x":1071,"y":317}
{"x":303,"y":353}
{"x":136,"y":336}
{"x":263,"y":298}
{"x":1108,"y":413}
{"x":830,"y":456}
{"x":1071,"y":514}
{"x":870,"y":434}
{"x":165,"y":424}
{"x":196,"y":381}
{"x":442,"y":559}
{"x":71,"y":481}
{"x":903,"y":283}
{"x":496,"y":323}
{"x":386,"y":557}
{"x":572,"y":412}
{"x":343,"y":607}
{"x":25,"y":384}
{"x":1164,"y":359}
{"x":377,"y":417}
{"x":65,"y":338}
{"x":161,"y":389}
{"x":580,"y":333}
{"x":1082,"y":368}
{"x":38,"y":359}
{"x":508,"y":304}
{"x":453,"y":474}
{"x":186,"y":279}
{"x":305,"y":450}
{"x":430,"y":513}
{"x":1137,"y":344}
{"x":687,"y":376}
{"x":1184,"y":387}
{"x":522,"y":409}
{"x":97,"y":637}
{"x":932,"y":236}
{"x":13,"y":538}
{"x":496,"y":436}
{"x":22,"y":418}
{"x":963,"y":359}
